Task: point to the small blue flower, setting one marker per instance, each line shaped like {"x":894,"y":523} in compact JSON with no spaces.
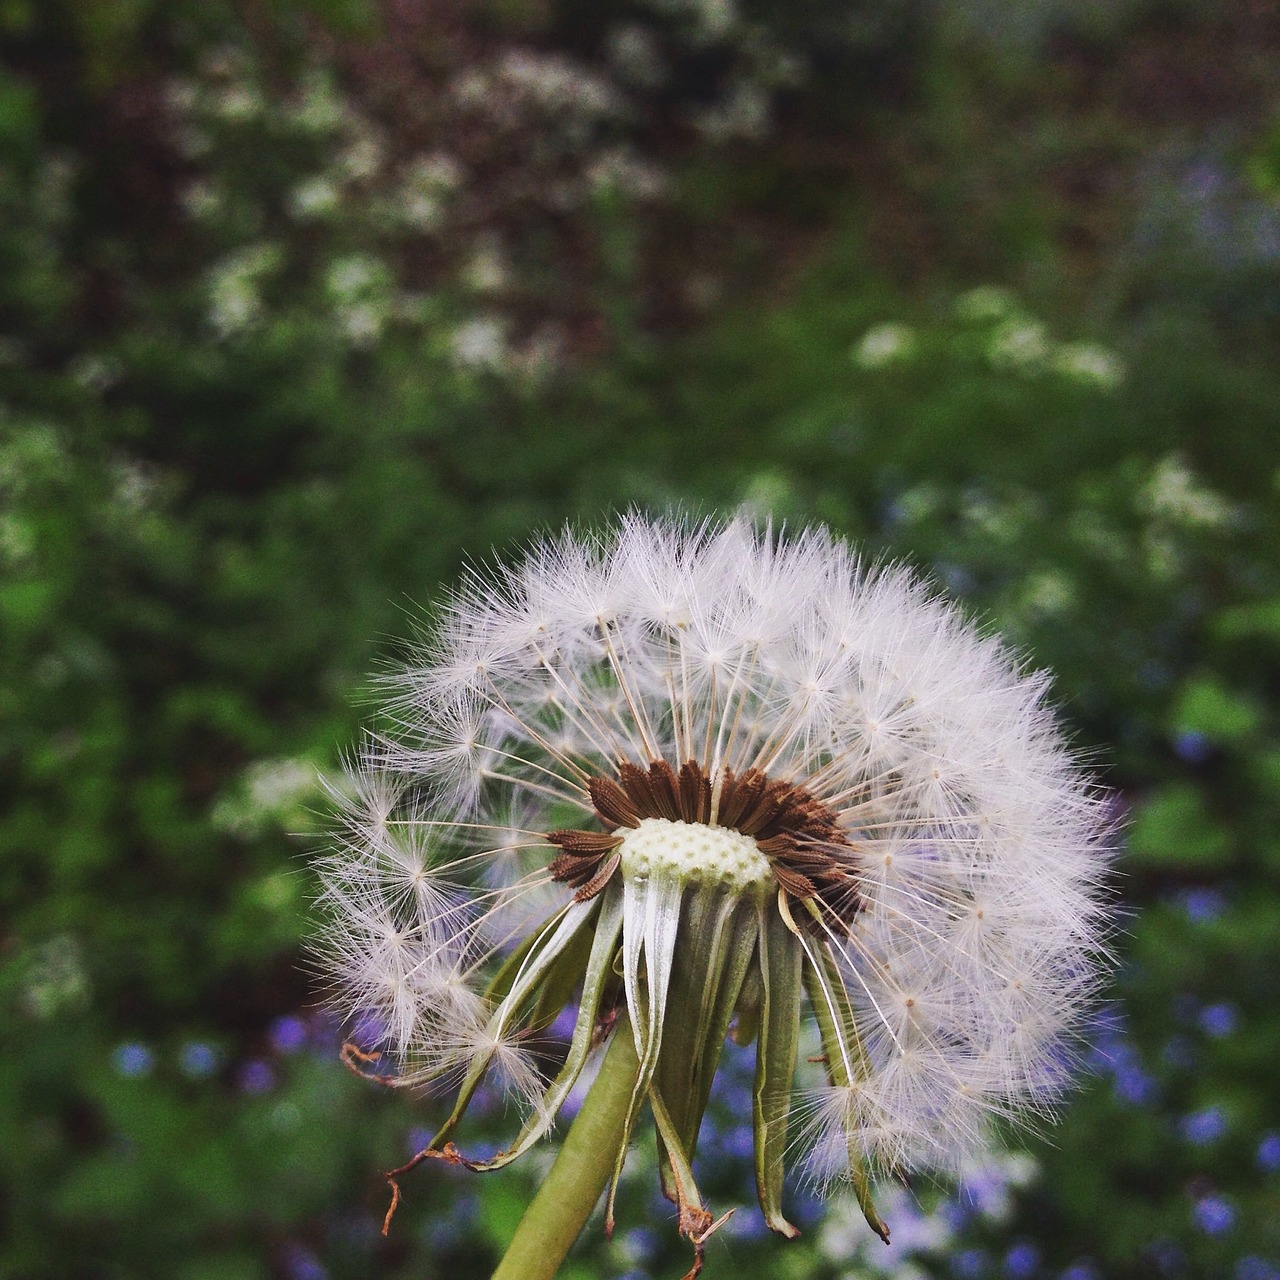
{"x":969,"y":1264}
{"x":256,"y":1076}
{"x":747,"y":1226}
{"x":444,"y":1230}
{"x":1022,"y":1261}
{"x":1269,"y":1153}
{"x":1219,"y":1020}
{"x":1203,"y":904}
{"x":806,"y":1208}
{"x":198,"y":1059}
{"x":1254,"y":1268}
{"x":1082,"y":1270}
{"x":1133,"y":1085}
{"x":368,"y":1028}
{"x":1203,"y":1127}
{"x":1192,"y":747}
{"x":133,"y":1060}
{"x":562,"y":1027}
{"x":288,"y":1034}
{"x":739,"y":1141}
{"x":416,"y":1139}
{"x":641,"y":1242}
{"x":1214,"y":1215}
{"x":301,"y":1264}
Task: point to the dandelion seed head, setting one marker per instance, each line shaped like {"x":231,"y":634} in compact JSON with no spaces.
{"x":679,"y":744}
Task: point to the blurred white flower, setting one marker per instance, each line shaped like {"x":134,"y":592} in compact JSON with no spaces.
{"x":621,"y":170}
{"x":236,"y":103}
{"x":488,"y":270}
{"x":354,"y":276}
{"x":480,"y":344}
{"x":556,"y":83}
{"x":314,"y":198}
{"x":636,"y":58}
{"x":363,"y":156}
{"x":268,"y":792}
{"x":202,"y":199}
{"x":1174,"y":494}
{"x":1089,"y":363}
{"x":53,"y":978}
{"x":235,"y":299}
{"x":883,"y":345}
{"x":424,"y":191}
{"x":729,"y":777}
{"x":1019,"y":344}
{"x":746,"y":112}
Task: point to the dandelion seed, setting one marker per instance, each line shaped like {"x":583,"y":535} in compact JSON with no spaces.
{"x":689,"y":780}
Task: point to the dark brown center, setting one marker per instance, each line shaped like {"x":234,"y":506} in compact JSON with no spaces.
{"x":810,"y":855}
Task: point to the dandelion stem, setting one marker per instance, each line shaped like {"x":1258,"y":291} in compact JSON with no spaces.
{"x":564,"y":1201}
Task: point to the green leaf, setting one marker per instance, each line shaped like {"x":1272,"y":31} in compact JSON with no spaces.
{"x":1205,"y":707}
{"x":1175,"y":830}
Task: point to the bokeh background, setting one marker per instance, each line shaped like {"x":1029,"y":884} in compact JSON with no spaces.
{"x":304,"y":302}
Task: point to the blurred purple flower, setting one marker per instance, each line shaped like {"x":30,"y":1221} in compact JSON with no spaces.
{"x":1219,"y":1020}
{"x":1203,"y":1127}
{"x":747,"y":1226}
{"x":968,"y":1264}
{"x":1252,"y":1267}
{"x":1203,"y":903}
{"x":255,"y":1077}
{"x":1022,"y":1261}
{"x":441,"y":1231}
{"x":562,"y":1027}
{"x":1082,"y":1270}
{"x":739,"y":1141}
{"x":368,"y":1029}
{"x":133,"y":1060}
{"x":288,"y":1034}
{"x":1213,"y":1215}
{"x":1136,"y":1087}
{"x":198,"y":1059}
{"x":1192,"y":747}
{"x":1269,"y":1153}
{"x":987,"y":1189}
{"x":301,"y":1264}
{"x":641,"y":1242}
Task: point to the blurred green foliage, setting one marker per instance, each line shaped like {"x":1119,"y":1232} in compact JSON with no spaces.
{"x":274,"y":360}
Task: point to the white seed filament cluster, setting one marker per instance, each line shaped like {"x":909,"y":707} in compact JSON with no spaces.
{"x":691,"y":853}
{"x":958,"y":929}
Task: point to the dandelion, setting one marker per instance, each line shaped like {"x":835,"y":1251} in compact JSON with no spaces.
{"x":690,"y":781}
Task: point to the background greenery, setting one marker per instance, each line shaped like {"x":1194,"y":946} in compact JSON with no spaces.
{"x":303,"y":302}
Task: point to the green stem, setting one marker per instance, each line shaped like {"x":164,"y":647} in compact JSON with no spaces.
{"x":564,"y":1202}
